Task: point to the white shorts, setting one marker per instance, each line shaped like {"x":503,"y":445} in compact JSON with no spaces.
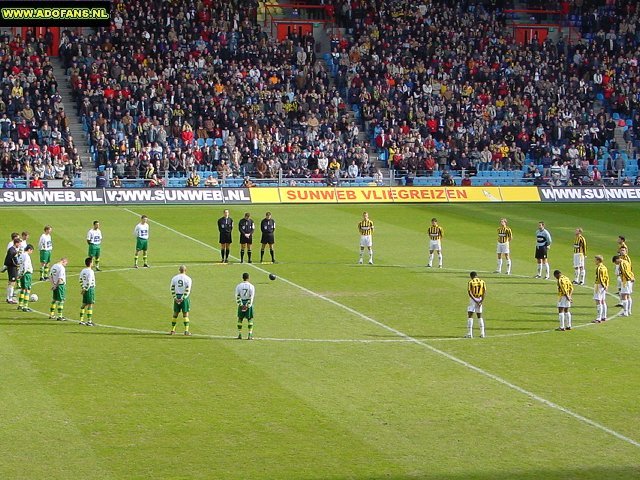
{"x":366,"y":240}
{"x":563,"y":302}
{"x":434,"y":245}
{"x":599,"y":293}
{"x":474,"y":307}
{"x":627,"y":288}
{"x":578,"y":260}
{"x":503,"y":248}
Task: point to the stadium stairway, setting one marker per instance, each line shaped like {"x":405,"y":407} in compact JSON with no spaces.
{"x":75,"y":124}
{"x":623,"y":146}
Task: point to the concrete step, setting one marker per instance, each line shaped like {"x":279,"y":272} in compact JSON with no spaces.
{"x":75,"y":125}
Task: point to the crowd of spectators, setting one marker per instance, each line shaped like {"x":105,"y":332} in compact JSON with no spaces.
{"x":444,"y":86}
{"x":34,"y":134}
{"x":178,"y":86}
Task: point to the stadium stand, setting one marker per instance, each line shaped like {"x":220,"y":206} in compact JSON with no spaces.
{"x":437,"y":91}
{"x":33,"y":127}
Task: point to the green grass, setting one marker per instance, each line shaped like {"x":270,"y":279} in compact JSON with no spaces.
{"x":358,"y":371}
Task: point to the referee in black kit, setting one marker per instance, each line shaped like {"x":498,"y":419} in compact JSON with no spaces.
{"x":225,"y":227}
{"x":267,"y":227}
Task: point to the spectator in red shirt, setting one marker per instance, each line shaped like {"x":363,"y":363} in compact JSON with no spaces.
{"x":36,"y":182}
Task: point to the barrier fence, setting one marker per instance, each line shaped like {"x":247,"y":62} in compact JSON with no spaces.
{"x":304,"y":195}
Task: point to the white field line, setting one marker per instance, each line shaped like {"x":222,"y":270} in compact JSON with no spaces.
{"x":459,"y":361}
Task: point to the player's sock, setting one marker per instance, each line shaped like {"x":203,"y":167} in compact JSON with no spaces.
{"x":60,"y":308}
{"x":261,"y":255}
{"x":226,"y":257}
{"x":89,"y":314}
{"x":239,"y":327}
{"x":241,"y":256}
{"x":186,"y":326}
{"x":250,"y":325}
{"x":583,"y":275}
{"x":52,"y":309}
{"x":599,"y":311}
{"x":430,"y":259}
{"x":576,"y":275}
{"x":499,"y":267}
{"x":604,"y":311}
{"x":440,"y":259}
{"x":9,"y":292}
{"x":97,"y":263}
{"x":144,"y":258}
{"x":508,"y":266}
{"x":546,"y":268}
{"x":173,"y":325}
{"x":481,"y":322}
{"x":46,"y":271}
{"x":222,"y":250}
{"x":370,"y":255}
{"x":249,"y":256}
{"x":273,"y":255}
{"x":135,"y":260}
{"x":41,"y":271}
{"x":539,"y":270}
{"x":561,"y":319}
{"x":470,"y":327}
{"x":567,"y":317}
{"x":629,"y":302}
{"x":82,"y":310}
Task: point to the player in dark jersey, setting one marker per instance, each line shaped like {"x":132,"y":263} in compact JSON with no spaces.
{"x":225,"y":227}
{"x":246,"y":227}
{"x":268,"y":228}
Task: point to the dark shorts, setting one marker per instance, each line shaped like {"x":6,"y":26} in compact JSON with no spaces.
{"x":268,"y":238}
{"x":12,"y":272}
{"x":225,"y":237}
{"x":246,"y":240}
{"x":541,"y":252}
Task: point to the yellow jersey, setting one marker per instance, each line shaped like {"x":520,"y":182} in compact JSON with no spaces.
{"x":365,"y":227}
{"x":602,"y":276}
{"x":580,"y":245}
{"x":565,"y":287}
{"x":626,"y":275}
{"x":476,"y":288}
{"x":504,"y":234}
{"x":435,"y":232}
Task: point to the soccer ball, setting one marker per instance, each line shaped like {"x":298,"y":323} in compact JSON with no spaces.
{"x":33,"y":297}
{"x":272,"y":276}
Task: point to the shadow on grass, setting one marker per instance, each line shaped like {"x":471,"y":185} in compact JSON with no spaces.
{"x":93,"y":331}
{"x":594,"y":473}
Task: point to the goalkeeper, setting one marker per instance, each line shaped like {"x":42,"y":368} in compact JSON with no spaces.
{"x":245,"y":292}
{"x":180,"y":290}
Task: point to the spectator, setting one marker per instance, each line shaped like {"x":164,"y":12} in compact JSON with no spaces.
{"x":193,"y":180}
{"x":67,"y":182}
{"x":211,"y":181}
{"x":36,"y":182}
{"x":247,"y":183}
{"x":101,"y":180}
{"x":9,"y":183}
{"x":116,"y":182}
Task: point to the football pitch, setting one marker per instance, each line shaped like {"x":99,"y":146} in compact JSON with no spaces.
{"x":356,"y":372}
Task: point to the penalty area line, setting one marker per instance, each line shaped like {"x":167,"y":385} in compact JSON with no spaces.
{"x":431,"y":348}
